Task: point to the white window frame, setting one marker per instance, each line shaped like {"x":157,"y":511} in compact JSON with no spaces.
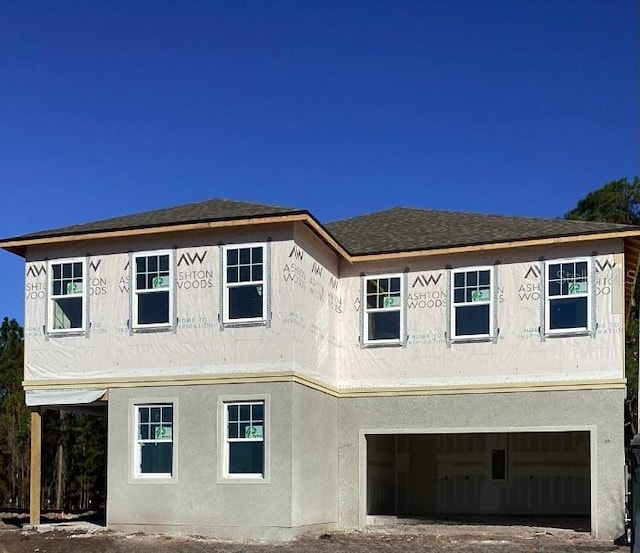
{"x":227,"y":285}
{"x":401,"y":309}
{"x":135,"y":292}
{"x":548,"y":298}
{"x":455,"y":305}
{"x":225,"y":403}
{"x":52,"y":297}
{"x":137,"y":441}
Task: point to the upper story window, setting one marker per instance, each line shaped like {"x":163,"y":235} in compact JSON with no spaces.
{"x":67,"y":295}
{"x":244,"y":283}
{"x":154,"y":440}
{"x":152,"y":289}
{"x":472,"y":305}
{"x":567,"y":296}
{"x":384,"y":310}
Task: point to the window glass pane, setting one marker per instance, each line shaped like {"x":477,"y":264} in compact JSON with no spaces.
{"x":77,"y":269}
{"x":245,"y":302}
{"x":155,"y":414}
{"x":156,"y":458}
{"x":245,"y":256}
{"x":258,"y":412}
{"x":245,"y":273}
{"x":144,"y":414}
{"x":57,"y":288}
{"x":458,"y":295}
{"x":232,"y":257}
{"x":233,"y":412}
{"x":568,"y":313}
{"x":472,"y":320}
{"x":66,"y":270}
{"x":153,"y":308}
{"x":256,"y":254}
{"x":244,"y":412}
{"x":384,"y":325}
{"x":458,"y":280}
{"x":167,"y":414}
{"x":554,"y":288}
{"x":256,"y":272}
{"x":484,"y":279}
{"x":141,"y":282}
{"x":144,"y":432}
{"x":164,"y":263}
{"x":67,"y":313}
{"x":394,"y":285}
{"x":232,"y":274}
{"x":243,"y":429}
{"x":141,"y":264}
{"x":246,"y":457}
{"x":472,"y":278}
{"x":372,"y":286}
{"x":152,"y":264}
{"x":57,"y":271}
{"x":233,"y":430}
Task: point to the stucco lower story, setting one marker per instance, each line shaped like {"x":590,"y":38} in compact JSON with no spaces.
{"x":316,"y":468}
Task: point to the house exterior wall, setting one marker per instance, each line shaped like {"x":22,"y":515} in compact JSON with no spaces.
{"x":518,"y":353}
{"x":317,"y":475}
{"x":298,"y":492}
{"x":299,"y":337}
{"x":599,"y":412}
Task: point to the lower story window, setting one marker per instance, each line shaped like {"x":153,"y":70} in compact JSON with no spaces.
{"x":154,"y":428}
{"x":244,"y":439}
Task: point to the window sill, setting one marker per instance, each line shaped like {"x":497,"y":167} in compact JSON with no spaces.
{"x":245,"y":324}
{"x":159,"y":480}
{"x":567,"y":333}
{"x":251,"y":480}
{"x":64,"y":333}
{"x":373,"y":345}
{"x":472,"y":339}
{"x":143,"y":329}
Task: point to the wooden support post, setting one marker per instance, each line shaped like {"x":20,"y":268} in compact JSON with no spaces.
{"x":36,"y":452}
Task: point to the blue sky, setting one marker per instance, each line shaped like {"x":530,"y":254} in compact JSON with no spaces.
{"x":340,"y":107}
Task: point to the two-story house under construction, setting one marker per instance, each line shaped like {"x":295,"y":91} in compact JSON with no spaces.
{"x":264,"y":374}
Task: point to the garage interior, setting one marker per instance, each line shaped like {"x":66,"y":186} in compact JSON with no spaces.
{"x":535,"y":478}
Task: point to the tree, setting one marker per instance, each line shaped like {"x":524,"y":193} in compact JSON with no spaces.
{"x":616,"y":202}
{"x":14,"y":418}
{"x":619,"y":202}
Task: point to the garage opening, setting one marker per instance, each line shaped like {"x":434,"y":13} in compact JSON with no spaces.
{"x":536,"y":478}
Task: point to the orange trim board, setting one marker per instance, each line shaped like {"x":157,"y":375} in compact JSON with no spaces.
{"x":18,"y":245}
{"x":283,"y":377}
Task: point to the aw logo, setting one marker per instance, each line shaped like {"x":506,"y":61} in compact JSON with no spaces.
{"x":424,"y":281}
{"x":602,"y":266}
{"x":190,"y":259}
{"x":37,"y":270}
{"x":533,"y":271}
{"x":296,"y":253}
{"x":95,"y":264}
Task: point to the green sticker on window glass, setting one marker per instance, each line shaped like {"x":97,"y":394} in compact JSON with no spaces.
{"x":392,"y":301}
{"x":161,"y":282}
{"x":74,"y":288}
{"x":577,"y":287}
{"x":481,"y":295}
{"x":163,"y":433}
{"x":253,"y":432}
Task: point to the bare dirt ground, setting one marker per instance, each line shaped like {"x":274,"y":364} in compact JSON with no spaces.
{"x":84,"y":537}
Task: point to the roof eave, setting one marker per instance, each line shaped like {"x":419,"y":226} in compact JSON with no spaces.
{"x":488,"y":246}
{"x":19,"y":245}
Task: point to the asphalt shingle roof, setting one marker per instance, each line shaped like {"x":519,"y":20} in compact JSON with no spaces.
{"x":405,"y":229}
{"x":208,"y":211}
{"x":398,"y":229}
